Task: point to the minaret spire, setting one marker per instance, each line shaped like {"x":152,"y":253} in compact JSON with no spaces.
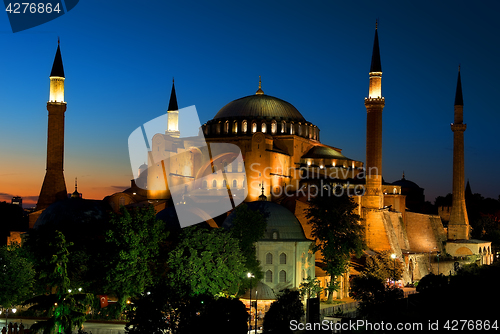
{"x":376,"y":66}
{"x":458,"y":227}
{"x":173,"y":115}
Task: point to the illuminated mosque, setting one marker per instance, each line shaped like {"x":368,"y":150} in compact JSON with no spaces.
{"x":282,"y":156}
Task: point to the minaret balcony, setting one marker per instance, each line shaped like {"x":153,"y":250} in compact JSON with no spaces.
{"x":458,"y":127}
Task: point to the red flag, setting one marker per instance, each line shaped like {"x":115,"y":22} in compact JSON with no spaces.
{"x":103,"y":300}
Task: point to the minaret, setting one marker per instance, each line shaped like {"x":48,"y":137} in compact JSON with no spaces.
{"x":54,"y":187}
{"x":173,"y":115}
{"x":458,"y":227}
{"x":374,"y":103}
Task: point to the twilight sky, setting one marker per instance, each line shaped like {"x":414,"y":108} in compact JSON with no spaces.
{"x":120,"y":56}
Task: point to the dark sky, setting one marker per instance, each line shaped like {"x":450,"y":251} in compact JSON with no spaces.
{"x":120,"y":56}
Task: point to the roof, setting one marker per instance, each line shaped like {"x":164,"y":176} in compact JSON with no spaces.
{"x":172,"y":105}
{"x":260,"y":106}
{"x":264,"y":292}
{"x":376,"y":66}
{"x":323,"y":152}
{"x":57,"y":67}
{"x":279,"y":219}
{"x":404,"y":183}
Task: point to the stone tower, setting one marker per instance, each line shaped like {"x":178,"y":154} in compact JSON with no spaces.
{"x":54,"y":186}
{"x":374,"y":104}
{"x":173,"y":115}
{"x":458,"y":227}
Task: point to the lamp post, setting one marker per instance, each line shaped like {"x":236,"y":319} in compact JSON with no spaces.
{"x":256,"y":311}
{"x":250,"y":276}
{"x":393,"y":256}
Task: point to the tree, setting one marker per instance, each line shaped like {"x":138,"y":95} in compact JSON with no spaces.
{"x":286,"y":308}
{"x":16,"y":276}
{"x":205,"y":262}
{"x":383,"y":267}
{"x":310,"y":287}
{"x":371,"y":292}
{"x":338,"y":232}
{"x":132,"y":245}
{"x":66,"y":309}
{"x":248,"y":226}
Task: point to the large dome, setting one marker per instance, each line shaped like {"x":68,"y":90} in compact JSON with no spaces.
{"x":260,"y":106}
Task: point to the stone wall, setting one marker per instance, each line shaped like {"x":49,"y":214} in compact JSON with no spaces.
{"x":425,"y":232}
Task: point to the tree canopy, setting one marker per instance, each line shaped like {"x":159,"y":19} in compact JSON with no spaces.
{"x":206,"y":261}
{"x":338,"y":231}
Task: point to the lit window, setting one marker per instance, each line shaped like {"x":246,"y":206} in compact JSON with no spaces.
{"x":226,"y":127}
{"x":273,"y":127}
{"x":283,"y":127}
{"x":244,"y":127}
{"x":254,"y":127}
{"x":275,"y":235}
{"x":263,"y":127}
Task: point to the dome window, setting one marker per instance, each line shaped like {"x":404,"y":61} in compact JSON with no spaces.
{"x":254,"y":127}
{"x":235,"y":127}
{"x":244,"y":126}
{"x":226,"y":127}
{"x":273,"y":127}
{"x":263,"y":127}
{"x":275,"y":235}
{"x":283,"y":127}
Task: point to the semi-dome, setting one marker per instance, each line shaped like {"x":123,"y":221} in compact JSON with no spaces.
{"x":260,"y":106}
{"x":281,"y":223}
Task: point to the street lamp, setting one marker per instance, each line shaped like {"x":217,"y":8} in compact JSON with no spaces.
{"x":393,"y":256}
{"x":250,"y":276}
{"x":256,"y":311}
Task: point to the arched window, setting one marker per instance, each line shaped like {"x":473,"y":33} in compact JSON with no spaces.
{"x":291,"y":128}
{"x":282,"y":258}
{"x":235,"y":127}
{"x":214,"y":184}
{"x":254,"y":127}
{"x":275,"y":235}
{"x":244,"y":127}
{"x":269,"y":258}
{"x":283,"y":127}
{"x":218,"y":128}
{"x":224,"y":184}
{"x":205,"y":184}
{"x":269,"y":276}
{"x":235,"y":184}
{"x":243,"y":184}
{"x":282,"y":278}
{"x":121,"y":201}
{"x":226,"y":127}
{"x":224,"y":165}
{"x":263,"y":127}
{"x":273,"y":127}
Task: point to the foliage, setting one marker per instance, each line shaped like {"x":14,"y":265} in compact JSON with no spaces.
{"x":371,"y":292}
{"x":161,"y":312}
{"x":66,"y":309}
{"x":338,"y":232}
{"x":132,"y":245}
{"x":16,"y":276}
{"x":310,"y":287}
{"x":383,"y":267}
{"x":432,"y":282}
{"x":248,"y":226}
{"x":288,"y":307}
{"x":205,"y":262}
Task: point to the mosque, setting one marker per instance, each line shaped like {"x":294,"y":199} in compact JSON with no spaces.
{"x":283,"y":159}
